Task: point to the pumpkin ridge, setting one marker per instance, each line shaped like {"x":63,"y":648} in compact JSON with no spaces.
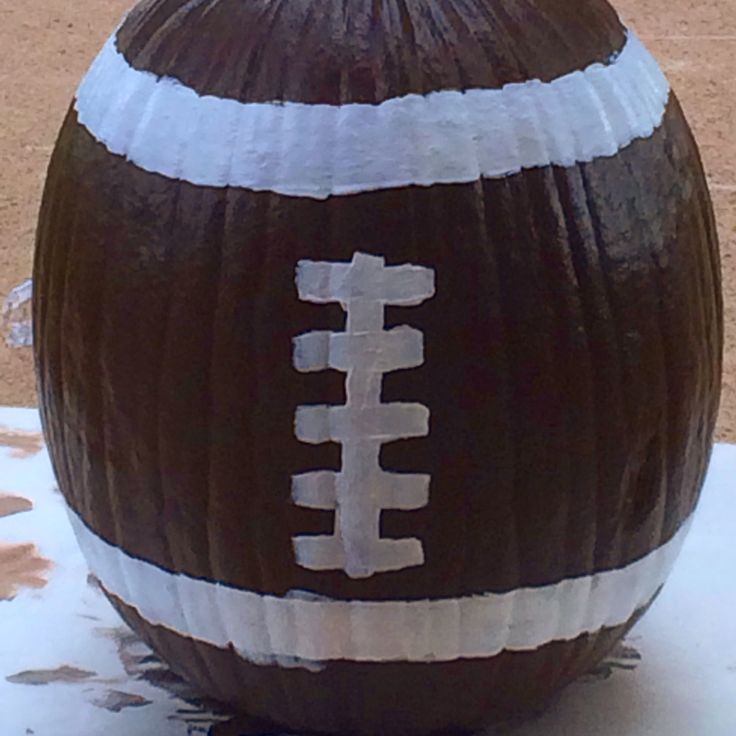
{"x":486,"y":694}
{"x":248,"y":207}
{"x":246,"y":198}
{"x":366,"y":40}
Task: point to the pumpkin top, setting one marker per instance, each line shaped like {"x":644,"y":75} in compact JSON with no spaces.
{"x":324,"y":51}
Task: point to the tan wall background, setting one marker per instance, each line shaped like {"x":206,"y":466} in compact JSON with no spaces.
{"x":46,"y":45}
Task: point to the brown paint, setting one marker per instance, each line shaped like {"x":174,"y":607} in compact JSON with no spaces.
{"x":22,"y":444}
{"x":365,"y":50}
{"x":592,"y":425}
{"x":10,"y":505}
{"x":21,"y":566}
{"x":572,"y":351}
{"x":117,"y":700}
{"x":140,"y":663}
{"x":623,"y":657}
{"x":93,"y":583}
{"x":65,"y":674}
{"x":240,"y":726}
{"x":383,"y":698}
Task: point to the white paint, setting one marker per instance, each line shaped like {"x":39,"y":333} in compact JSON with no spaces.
{"x":316,"y":151}
{"x":267,"y":628}
{"x":683,"y":685}
{"x":67,"y":623}
{"x":365,"y":351}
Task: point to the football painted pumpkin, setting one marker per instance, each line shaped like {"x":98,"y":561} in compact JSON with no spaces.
{"x":379,"y":347}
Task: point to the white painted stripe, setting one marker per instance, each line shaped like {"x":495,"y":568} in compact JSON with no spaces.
{"x":320,"y":150}
{"x":303,"y":629}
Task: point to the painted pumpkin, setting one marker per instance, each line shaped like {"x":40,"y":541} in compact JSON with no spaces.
{"x":379,"y":347}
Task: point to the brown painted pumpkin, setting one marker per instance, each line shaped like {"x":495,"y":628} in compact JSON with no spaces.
{"x":378,"y":347}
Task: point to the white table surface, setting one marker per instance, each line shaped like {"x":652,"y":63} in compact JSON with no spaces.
{"x":70,"y":667}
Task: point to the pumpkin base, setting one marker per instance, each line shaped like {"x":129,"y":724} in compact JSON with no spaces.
{"x":457,"y":697}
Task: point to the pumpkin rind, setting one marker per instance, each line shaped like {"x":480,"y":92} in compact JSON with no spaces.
{"x":571,"y":359}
